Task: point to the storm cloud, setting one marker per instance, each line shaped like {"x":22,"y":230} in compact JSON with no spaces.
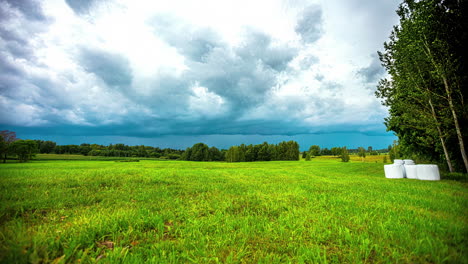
{"x":113,"y":69}
{"x":74,"y":67}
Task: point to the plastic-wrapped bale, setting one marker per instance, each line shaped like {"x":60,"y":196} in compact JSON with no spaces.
{"x":393,"y":171}
{"x":428,"y":172}
{"x":402,"y":163}
{"x":411,"y":171}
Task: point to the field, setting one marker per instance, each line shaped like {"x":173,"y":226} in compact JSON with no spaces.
{"x":322,"y":211}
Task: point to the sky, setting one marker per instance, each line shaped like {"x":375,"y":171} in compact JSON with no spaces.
{"x":174,"y":73}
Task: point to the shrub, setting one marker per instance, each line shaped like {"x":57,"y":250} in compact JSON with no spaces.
{"x":344,"y":155}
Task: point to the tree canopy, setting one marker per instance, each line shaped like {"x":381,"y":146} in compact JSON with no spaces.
{"x":426,"y":59}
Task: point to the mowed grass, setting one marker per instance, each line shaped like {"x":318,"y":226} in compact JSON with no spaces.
{"x":321,"y":211}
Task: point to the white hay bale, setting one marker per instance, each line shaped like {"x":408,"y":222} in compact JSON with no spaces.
{"x":428,"y":172}
{"x":398,"y":161}
{"x":394,"y":171}
{"x":408,"y":162}
{"x":411,"y":171}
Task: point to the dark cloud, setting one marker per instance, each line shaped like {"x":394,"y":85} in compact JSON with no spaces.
{"x":245,"y":75}
{"x":309,"y":25}
{"x":31,"y":9}
{"x":81,"y":7}
{"x":7,"y":67}
{"x":259,"y":46}
{"x":373,"y":72}
{"x":15,"y":44}
{"x":28,"y":20}
{"x":112,"y":68}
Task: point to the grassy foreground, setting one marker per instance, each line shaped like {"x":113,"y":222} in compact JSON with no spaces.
{"x":263,"y":212}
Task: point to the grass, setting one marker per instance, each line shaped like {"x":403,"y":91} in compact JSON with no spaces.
{"x":356,"y":158}
{"x":73,"y":157}
{"x":322,"y":211}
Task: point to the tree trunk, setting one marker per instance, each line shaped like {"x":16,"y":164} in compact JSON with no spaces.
{"x":447,"y":158}
{"x":457,"y":125}
{"x":450,"y":101}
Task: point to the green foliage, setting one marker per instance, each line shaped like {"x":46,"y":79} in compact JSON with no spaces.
{"x":336,"y":151}
{"x":215,"y":154}
{"x":308,"y":158}
{"x":3,"y":147}
{"x":24,"y":149}
{"x":116,"y":150}
{"x":314,"y":150}
{"x":200,"y":152}
{"x":6,"y":139}
{"x":264,"y":152}
{"x":344,"y":154}
{"x":385,"y":159}
{"x":426,"y":59}
{"x":394,"y":151}
{"x":361,"y":152}
{"x":200,"y":212}
{"x":49,"y":146}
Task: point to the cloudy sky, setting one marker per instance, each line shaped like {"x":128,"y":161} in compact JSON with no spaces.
{"x":173,"y":73}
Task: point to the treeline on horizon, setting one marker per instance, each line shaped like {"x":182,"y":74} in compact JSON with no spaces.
{"x":25,"y":150}
{"x":286,"y":150}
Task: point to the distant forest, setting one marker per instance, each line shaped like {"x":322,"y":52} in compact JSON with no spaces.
{"x":202,"y":152}
{"x":24,"y":150}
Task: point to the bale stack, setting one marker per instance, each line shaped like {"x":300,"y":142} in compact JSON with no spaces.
{"x":408,"y":169}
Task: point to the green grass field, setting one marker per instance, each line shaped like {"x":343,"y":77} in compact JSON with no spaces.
{"x":322,"y":211}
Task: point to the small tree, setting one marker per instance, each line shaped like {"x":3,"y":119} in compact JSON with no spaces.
{"x":314,"y":150}
{"x":307,"y":158}
{"x":344,"y":154}
{"x":394,"y":152}
{"x":362,"y":153}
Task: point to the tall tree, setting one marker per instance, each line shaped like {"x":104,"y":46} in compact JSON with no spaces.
{"x":426,"y":59}
{"x":8,"y":137}
{"x":200,"y":152}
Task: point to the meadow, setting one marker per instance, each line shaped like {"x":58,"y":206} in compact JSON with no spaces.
{"x":322,"y":211}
